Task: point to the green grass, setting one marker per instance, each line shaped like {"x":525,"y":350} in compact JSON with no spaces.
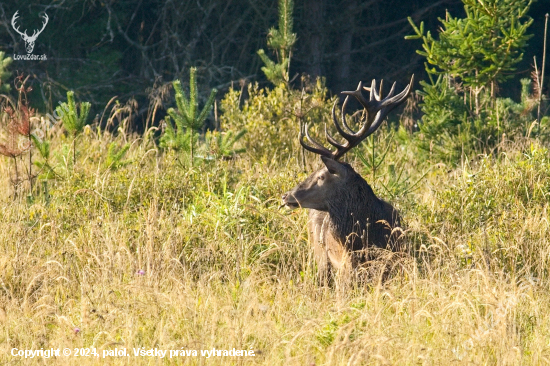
{"x":224,"y":267}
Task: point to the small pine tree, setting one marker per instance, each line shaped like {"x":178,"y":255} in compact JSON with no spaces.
{"x":115,"y":156}
{"x":481,"y":49}
{"x":222,"y":145}
{"x":281,"y":41}
{"x":471,"y":56}
{"x":73,"y":120}
{"x":187,"y":121}
{"x":43,"y":147}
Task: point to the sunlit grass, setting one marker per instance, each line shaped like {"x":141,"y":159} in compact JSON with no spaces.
{"x":158,"y":254}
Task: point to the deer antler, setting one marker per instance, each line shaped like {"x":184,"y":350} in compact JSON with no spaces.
{"x":24,"y":34}
{"x":36,"y":33}
{"x":15,"y":16}
{"x":376,"y":111}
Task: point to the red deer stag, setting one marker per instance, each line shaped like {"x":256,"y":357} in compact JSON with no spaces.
{"x":345,"y":215}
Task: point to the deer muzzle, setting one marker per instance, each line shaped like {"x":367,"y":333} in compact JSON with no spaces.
{"x":289,"y":200}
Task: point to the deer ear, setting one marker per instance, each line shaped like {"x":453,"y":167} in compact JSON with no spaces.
{"x":333,"y":166}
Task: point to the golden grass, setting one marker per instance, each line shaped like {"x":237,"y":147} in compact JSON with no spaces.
{"x":159,"y":256}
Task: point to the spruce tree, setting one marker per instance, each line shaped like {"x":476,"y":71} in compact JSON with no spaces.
{"x":281,"y":41}
{"x":188,"y":122}
{"x":73,"y":119}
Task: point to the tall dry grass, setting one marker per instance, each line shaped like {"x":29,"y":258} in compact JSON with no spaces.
{"x":159,"y":255}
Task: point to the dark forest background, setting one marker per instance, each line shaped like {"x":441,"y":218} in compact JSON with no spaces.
{"x":130,"y":48}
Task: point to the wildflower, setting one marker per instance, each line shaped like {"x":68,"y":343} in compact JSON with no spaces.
{"x":141,"y":272}
{"x":76,"y":330}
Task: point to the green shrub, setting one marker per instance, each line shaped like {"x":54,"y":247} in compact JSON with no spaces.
{"x":273,"y":117}
{"x":5,"y":75}
{"x":495,"y":204}
{"x":462,"y":115}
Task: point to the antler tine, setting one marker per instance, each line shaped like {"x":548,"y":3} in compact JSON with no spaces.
{"x":352,"y":139}
{"x":382,"y":87}
{"x":355,"y":138}
{"x":376,"y":108}
{"x":344,"y":122}
{"x":378,"y":92}
{"x":375,"y":98}
{"x":319,"y":149}
{"x":392,"y":90}
{"x":331,"y":139}
{"x":340,"y":149}
{"x":368,"y":107}
{"x":373,"y":93}
{"x":358,"y":95}
{"x":388,"y":104}
{"x":394,"y":101}
{"x":15,"y":28}
{"x":371,"y":106}
{"x":310,"y":139}
{"x":36,"y":32}
{"x":340,"y":130}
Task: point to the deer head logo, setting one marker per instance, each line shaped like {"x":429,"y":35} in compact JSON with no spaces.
{"x":29,"y":40}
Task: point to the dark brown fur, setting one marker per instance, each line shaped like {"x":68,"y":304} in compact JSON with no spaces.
{"x":345,"y":215}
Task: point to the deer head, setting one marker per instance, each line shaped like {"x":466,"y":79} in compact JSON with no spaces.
{"x":29,"y":40}
{"x":333,"y":184}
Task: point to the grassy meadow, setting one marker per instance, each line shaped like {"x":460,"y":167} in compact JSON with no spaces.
{"x":157,"y":253}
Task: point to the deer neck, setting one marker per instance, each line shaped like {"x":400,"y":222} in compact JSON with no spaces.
{"x":350,"y":211}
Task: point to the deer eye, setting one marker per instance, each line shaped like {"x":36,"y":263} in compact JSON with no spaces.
{"x":321,"y":177}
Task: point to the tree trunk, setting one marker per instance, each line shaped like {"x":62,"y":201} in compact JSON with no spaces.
{"x":343,"y":63}
{"x":314,"y":11}
{"x":342,"y":66}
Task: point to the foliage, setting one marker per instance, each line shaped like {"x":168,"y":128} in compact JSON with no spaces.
{"x":462,"y":115}
{"x":277,"y":73}
{"x":445,"y":118}
{"x":386,"y":158}
{"x":273,"y":117}
{"x":177,"y":138}
{"x":115,"y":155}
{"x":192,"y":254}
{"x":73,"y":118}
{"x":19,"y":131}
{"x":5,"y":62}
{"x":150,"y":255}
{"x":187,"y":121}
{"x":490,"y":201}
{"x":119,"y":53}
{"x":281,"y":41}
{"x":43,"y":146}
{"x":18,"y":125}
{"x":450,"y":131}
{"x":222,"y":144}
{"x":481,"y":48}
